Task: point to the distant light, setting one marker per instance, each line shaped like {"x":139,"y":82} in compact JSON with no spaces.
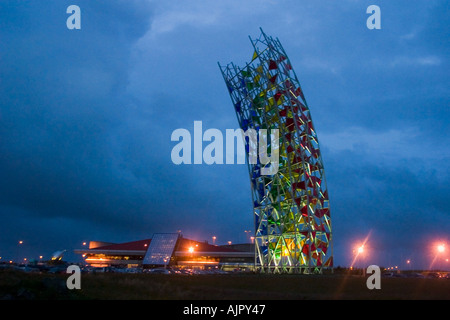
{"x":84,"y":243}
{"x":229,"y":242}
{"x":408,"y":261}
{"x":40,"y":257}
{"x":191,"y":249}
{"x":361,"y":249}
{"x":20,"y":242}
{"x":441,"y":248}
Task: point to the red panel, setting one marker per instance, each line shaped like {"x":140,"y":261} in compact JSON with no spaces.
{"x":272,"y":65}
{"x":274,"y":78}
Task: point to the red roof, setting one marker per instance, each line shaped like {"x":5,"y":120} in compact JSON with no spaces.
{"x":183,"y":245}
{"x":132,"y":246}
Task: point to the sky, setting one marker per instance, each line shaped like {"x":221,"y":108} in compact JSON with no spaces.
{"x":86,"y":118}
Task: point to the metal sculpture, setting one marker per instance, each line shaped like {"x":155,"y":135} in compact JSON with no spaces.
{"x":291,"y":206}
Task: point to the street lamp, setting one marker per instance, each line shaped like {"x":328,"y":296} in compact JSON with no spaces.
{"x":439,"y":249}
{"x":247,"y":232}
{"x":408,"y":262}
{"x":360,"y":249}
{"x":19,"y":244}
{"x":357,"y":251}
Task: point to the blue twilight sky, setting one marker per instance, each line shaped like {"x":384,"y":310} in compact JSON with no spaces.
{"x":86,"y":118}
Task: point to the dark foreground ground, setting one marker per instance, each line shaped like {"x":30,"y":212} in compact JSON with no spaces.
{"x":114,"y":286}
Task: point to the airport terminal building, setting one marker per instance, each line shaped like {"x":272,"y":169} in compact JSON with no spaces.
{"x":169,"y":250}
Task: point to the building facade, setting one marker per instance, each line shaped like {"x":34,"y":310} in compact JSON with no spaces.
{"x":168,"y":250}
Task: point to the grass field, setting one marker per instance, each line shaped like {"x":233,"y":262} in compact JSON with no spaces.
{"x":116,"y":286}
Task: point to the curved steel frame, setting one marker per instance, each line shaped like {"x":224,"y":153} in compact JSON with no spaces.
{"x":291,"y":207}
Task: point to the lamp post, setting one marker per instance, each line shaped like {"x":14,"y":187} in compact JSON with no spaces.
{"x":19,"y":244}
{"x":248,"y":232}
{"x":358,"y":251}
{"x":408,"y":263}
{"x":439,"y":249}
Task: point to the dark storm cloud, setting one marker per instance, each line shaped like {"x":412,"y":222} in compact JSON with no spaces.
{"x":62,"y":98}
{"x":402,"y":208}
{"x":76,"y":147}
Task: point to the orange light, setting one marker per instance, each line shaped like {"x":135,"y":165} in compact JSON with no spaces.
{"x":191,"y":249}
{"x":199,"y":262}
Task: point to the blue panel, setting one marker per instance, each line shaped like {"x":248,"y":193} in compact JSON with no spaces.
{"x":161,"y":249}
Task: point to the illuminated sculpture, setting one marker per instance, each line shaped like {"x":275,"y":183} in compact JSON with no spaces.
{"x":291,"y":206}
